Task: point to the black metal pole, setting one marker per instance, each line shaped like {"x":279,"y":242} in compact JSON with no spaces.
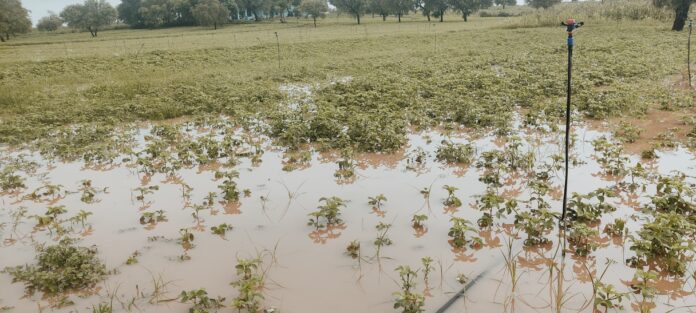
{"x":688,"y":54}
{"x":571,"y":25}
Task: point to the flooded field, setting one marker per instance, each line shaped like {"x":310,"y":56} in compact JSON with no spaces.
{"x":193,"y":200}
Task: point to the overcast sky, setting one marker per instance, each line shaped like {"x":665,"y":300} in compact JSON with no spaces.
{"x":40,"y":8}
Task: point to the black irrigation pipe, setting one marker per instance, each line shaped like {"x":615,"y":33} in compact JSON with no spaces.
{"x":571,"y":26}
{"x":461,"y":293}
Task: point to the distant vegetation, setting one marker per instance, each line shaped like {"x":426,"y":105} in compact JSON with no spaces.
{"x":14,"y":19}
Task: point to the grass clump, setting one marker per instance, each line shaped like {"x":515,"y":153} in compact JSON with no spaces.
{"x":61,"y":267}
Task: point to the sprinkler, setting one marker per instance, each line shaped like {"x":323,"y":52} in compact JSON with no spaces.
{"x":571,"y":25}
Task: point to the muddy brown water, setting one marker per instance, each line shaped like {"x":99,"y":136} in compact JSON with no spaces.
{"x":309,"y":272}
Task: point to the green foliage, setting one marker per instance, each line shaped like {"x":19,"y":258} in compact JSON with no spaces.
{"x":536,"y":223}
{"x":583,"y":239}
{"x":249,"y":284}
{"x":418,"y":219}
{"x":152,"y":218}
{"x":407,"y":300}
{"x":50,"y":23}
{"x":545,"y":4}
{"x":610,"y":157}
{"x":314,"y":9}
{"x":353,"y":249}
{"x":201,"y":302}
{"x":329,"y":213}
{"x":664,"y":242}
{"x":454,"y":152}
{"x":221,"y":229}
{"x":458,"y":233}
{"x":451,"y":200}
{"x":14,"y":19}
{"x":210,"y":13}
{"x":92,"y":15}
{"x":60,"y":268}
{"x":377,"y":201}
{"x":627,"y":133}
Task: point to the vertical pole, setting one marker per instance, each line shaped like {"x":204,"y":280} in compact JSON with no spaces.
{"x":567,"y":129}
{"x":688,"y":55}
{"x":278,"y":45}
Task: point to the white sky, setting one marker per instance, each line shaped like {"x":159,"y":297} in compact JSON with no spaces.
{"x":40,"y":8}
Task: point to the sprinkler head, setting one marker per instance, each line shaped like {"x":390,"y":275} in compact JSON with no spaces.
{"x":571,"y":25}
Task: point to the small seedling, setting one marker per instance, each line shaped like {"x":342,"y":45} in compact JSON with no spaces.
{"x":152,"y":218}
{"x":377,"y":201}
{"x":451,"y":200}
{"x":462,"y":279}
{"x":353,"y":249}
{"x":458,"y":230}
{"x":382,"y":239}
{"x":329,"y":213}
{"x":418,"y":219}
{"x":201,"y":302}
{"x":221,"y":229}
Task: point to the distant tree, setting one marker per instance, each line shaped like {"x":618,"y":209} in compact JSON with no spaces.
{"x":128,"y":12}
{"x":681,"y":11}
{"x":255,"y":7}
{"x":14,"y":19}
{"x":158,"y":13}
{"x":314,"y":9}
{"x":426,"y":7}
{"x":468,"y":7}
{"x":49,"y":23}
{"x":210,"y":13}
{"x":400,"y":7}
{"x":439,"y":7}
{"x":355,"y":8}
{"x":92,"y":15}
{"x":232,"y":7}
{"x":380,"y":7}
{"x":505,"y":3}
{"x":542,"y":3}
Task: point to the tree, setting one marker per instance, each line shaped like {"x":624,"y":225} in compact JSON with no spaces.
{"x":505,"y":3}
{"x":400,"y":7}
{"x":681,"y":11}
{"x":439,"y":7}
{"x":50,"y":23}
{"x":128,"y":12}
{"x":314,"y":9}
{"x":542,"y":3}
{"x":380,"y":7}
{"x":210,"y":12}
{"x":157,"y":13}
{"x":255,"y":7}
{"x":353,"y":7}
{"x":468,"y":7}
{"x":14,"y":19}
{"x":92,"y":15}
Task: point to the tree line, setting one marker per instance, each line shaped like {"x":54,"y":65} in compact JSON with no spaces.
{"x":95,"y":15}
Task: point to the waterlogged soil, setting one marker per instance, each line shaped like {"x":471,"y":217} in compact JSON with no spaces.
{"x":308,"y":271}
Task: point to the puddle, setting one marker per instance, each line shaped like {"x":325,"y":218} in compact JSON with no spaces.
{"x":311,"y":273}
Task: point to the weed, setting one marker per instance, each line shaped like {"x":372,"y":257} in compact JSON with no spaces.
{"x":60,"y":268}
{"x":201,"y":302}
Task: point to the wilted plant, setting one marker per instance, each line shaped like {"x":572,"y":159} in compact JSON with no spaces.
{"x":407,"y":300}
{"x":201,"y":302}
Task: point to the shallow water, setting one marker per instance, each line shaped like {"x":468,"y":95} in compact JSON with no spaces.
{"x":307,"y":269}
